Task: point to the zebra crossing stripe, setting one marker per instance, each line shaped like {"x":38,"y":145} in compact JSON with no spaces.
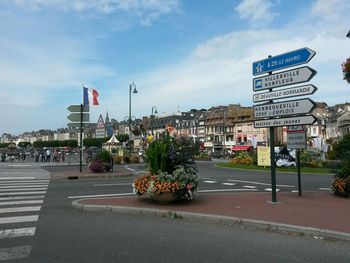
{"x":23,"y":202}
{"x":23,"y":186}
{"x":17,"y":178}
{"x":23,"y":189}
{"x":22,"y":197}
{"x":17,"y":232}
{"x":18,"y":219}
{"x":20,"y":209}
{"x":23,"y":193}
{"x":44,"y":181}
{"x":14,"y":252}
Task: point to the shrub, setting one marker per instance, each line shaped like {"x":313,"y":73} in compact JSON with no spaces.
{"x":126,"y":159}
{"x":117,"y":159}
{"x":243,"y":158}
{"x":104,"y":156}
{"x":134,"y":159}
{"x":96,"y":167}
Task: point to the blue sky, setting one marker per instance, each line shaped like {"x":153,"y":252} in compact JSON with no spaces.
{"x":180,"y":54}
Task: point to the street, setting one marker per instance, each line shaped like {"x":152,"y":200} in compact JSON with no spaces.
{"x":56,"y":232}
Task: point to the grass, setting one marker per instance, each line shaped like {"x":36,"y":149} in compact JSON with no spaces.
{"x":316,"y":170}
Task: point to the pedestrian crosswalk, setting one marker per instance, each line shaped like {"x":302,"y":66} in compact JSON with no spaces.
{"x":21,"y":199}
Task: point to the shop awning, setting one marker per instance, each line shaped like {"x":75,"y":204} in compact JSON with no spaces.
{"x":241,"y":148}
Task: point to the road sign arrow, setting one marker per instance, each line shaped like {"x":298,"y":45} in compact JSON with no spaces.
{"x":285,"y":93}
{"x":289,"y":121}
{"x":289,"y":59}
{"x":76,"y":108}
{"x":284,"y":78}
{"x":76,"y":125}
{"x":285,"y":108}
{"x":75,"y":117}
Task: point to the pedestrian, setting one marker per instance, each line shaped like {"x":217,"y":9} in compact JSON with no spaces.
{"x":42,"y":156}
{"x":37,"y":155}
{"x":48,"y":155}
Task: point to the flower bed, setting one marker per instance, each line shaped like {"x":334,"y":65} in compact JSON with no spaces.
{"x":341,"y":186}
{"x":171,"y":169}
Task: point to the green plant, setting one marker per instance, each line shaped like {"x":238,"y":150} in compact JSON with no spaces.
{"x":156,"y":156}
{"x":103,"y":156}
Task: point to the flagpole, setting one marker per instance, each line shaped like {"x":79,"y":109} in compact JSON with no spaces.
{"x":81,"y":133}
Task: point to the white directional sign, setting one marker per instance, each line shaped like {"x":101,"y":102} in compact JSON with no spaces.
{"x":285,"y":78}
{"x":285,"y":93}
{"x":77,"y":108}
{"x":75,"y":117}
{"x":289,"y":121}
{"x":285,"y":108}
{"x":296,"y":137}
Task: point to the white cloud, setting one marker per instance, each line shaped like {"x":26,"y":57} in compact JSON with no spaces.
{"x":331,"y":9}
{"x":146,"y":10}
{"x":256,"y":10}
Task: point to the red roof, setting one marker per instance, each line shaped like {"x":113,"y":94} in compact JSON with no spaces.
{"x":241,"y":148}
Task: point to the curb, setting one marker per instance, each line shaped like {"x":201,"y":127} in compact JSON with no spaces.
{"x":312,"y":232}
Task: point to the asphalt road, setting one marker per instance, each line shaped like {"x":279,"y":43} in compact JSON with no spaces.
{"x":64,"y":234}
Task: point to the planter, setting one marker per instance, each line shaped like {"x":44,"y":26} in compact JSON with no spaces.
{"x":165,"y":197}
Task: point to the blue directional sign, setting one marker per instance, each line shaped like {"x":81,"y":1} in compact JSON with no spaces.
{"x":290,"y":59}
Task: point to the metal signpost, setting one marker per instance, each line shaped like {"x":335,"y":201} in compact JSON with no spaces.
{"x":285,"y":113}
{"x":78,"y":117}
{"x":297,"y":140}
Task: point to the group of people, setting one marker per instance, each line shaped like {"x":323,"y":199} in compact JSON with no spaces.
{"x":43,"y":155}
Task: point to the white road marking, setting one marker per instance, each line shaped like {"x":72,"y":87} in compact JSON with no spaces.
{"x":20,"y":209}
{"x":112,"y":184}
{"x":106,"y":195}
{"x":325,"y":189}
{"x":14,"y":252}
{"x":22,"y":197}
{"x":23,"y":202}
{"x":43,"y":181}
{"x":209,"y":182}
{"x":270,"y":190}
{"x":225,"y":190}
{"x":252,"y":182}
{"x":23,"y":189}
{"x":228,"y":183}
{"x":294,"y":191}
{"x":19,"y":165}
{"x":249,"y":186}
{"x":17,"y":178}
{"x":17,"y":232}
{"x":23,"y":193}
{"x":22,"y":185}
{"x":18,"y":219}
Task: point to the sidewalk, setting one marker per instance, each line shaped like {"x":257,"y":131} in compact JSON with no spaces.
{"x":315,"y":213}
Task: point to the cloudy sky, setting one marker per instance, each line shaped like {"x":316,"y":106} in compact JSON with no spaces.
{"x":180,"y":54}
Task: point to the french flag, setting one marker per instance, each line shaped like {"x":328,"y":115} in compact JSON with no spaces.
{"x":90,"y":96}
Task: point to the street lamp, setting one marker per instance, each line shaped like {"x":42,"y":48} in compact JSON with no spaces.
{"x":152,"y":116}
{"x":132,"y":88}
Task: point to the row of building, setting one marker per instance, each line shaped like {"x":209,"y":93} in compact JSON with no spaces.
{"x":218,"y":129}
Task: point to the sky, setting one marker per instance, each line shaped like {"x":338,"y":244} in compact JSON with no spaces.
{"x":180,"y":54}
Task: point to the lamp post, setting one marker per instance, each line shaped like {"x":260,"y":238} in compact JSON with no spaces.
{"x":152,"y":117}
{"x":132,"y":88}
